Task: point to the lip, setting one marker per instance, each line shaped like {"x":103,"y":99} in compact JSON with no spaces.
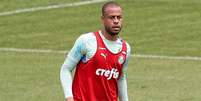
{"x":116,"y":27}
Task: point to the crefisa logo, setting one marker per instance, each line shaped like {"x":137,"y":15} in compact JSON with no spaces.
{"x":109,"y":74}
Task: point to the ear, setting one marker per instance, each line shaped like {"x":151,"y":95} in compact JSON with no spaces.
{"x":102,"y":18}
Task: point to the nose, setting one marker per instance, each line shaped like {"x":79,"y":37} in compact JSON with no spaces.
{"x":116,"y":20}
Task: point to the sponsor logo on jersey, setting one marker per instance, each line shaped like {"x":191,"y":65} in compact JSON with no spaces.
{"x":109,"y":74}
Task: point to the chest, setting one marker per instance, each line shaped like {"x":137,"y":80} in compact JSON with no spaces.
{"x":91,"y":48}
{"x":107,"y":64}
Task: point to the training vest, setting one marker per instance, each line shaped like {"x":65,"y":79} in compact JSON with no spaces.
{"x":96,"y":79}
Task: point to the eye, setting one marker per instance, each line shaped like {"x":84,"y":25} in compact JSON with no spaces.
{"x":111,"y":17}
{"x":115,"y":17}
{"x":119,"y":17}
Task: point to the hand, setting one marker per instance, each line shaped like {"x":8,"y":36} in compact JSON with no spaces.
{"x":69,"y":99}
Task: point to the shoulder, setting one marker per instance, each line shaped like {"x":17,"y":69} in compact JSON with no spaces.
{"x":87,"y":42}
{"x":87,"y":36}
{"x":128,"y":47}
{"x":84,"y":39}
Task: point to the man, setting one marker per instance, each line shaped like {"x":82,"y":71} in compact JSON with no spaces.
{"x":100,"y":59}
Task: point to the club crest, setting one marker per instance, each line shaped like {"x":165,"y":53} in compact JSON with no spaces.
{"x":121,"y":59}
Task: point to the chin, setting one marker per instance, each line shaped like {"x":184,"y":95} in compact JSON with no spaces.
{"x":114,"y":33}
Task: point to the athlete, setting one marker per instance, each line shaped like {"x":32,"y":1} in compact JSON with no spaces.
{"x":100,"y":61}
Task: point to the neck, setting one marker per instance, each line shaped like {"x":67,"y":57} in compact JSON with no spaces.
{"x":108,"y":36}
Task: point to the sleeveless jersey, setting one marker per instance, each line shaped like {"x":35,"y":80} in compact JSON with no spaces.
{"x":96,"y":80}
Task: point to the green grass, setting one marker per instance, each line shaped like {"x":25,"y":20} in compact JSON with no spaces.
{"x":164,"y":26}
{"x":164,"y":80}
{"x":161,"y":27}
{"x":40,"y":28}
{"x":10,"y":5}
{"x":30,"y":77}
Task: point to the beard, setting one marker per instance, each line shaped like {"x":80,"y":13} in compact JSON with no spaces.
{"x":111,"y":31}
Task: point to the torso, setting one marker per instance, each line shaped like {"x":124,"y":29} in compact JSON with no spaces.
{"x":96,"y":78}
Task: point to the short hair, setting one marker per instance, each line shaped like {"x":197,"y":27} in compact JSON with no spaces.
{"x":107,"y":4}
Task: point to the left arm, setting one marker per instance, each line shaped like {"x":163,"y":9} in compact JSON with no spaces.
{"x":122,"y":89}
{"x":122,"y":82}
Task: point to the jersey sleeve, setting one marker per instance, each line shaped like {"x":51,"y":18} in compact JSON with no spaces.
{"x":122,"y":82}
{"x":125,"y":66}
{"x":69,"y":64}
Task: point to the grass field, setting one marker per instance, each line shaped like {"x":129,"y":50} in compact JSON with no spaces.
{"x":156,"y":27}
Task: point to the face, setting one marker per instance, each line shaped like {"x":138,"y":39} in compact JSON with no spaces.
{"x":112,"y":20}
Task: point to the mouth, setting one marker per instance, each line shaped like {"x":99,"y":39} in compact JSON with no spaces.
{"x":116,"y":28}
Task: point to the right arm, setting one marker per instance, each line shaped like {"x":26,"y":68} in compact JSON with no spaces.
{"x":69,"y":64}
